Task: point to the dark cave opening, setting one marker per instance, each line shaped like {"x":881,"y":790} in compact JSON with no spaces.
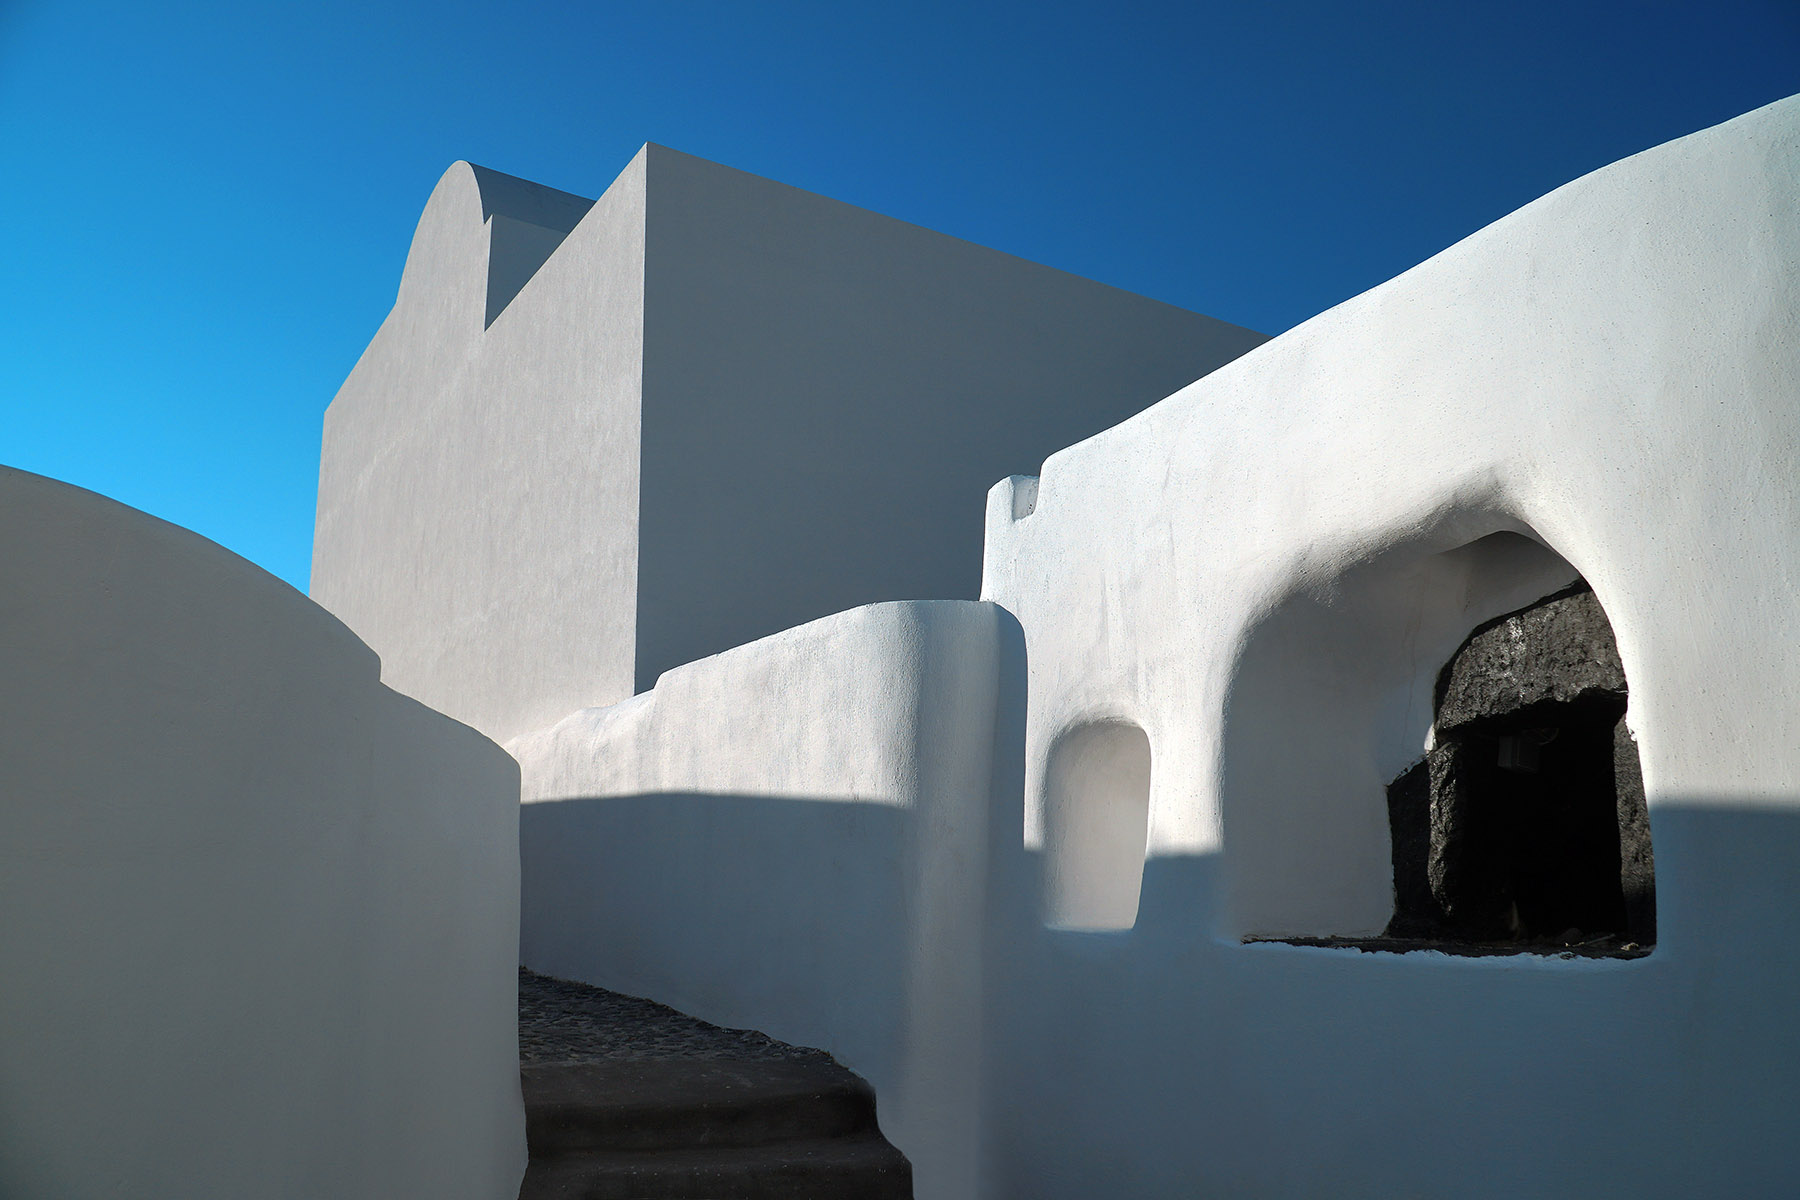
{"x":1524,"y":828}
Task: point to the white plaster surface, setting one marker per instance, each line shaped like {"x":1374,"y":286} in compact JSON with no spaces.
{"x":477,"y":491}
{"x":1264,"y":573}
{"x":1097,"y":811}
{"x":791,"y":836}
{"x":260,"y":911}
{"x":718,"y":408}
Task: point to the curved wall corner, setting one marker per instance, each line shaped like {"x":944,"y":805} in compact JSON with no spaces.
{"x":1096,"y":826}
{"x":789,"y":836}
{"x":261,"y":911}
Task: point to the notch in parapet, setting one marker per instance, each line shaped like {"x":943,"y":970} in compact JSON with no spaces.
{"x":526,"y":222}
{"x":1024,"y":495}
{"x":1008,"y":502}
{"x":481,"y":238}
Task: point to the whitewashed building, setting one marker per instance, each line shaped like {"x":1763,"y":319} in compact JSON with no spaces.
{"x":1358,"y":763}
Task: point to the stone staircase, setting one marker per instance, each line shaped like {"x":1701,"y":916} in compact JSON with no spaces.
{"x":612,"y":1131}
{"x":628,"y":1100}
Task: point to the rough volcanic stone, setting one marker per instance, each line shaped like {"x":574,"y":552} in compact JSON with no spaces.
{"x":1559,"y":650}
{"x":1637,"y":865}
{"x":1491,"y":845}
{"x":1416,"y":911}
{"x":1467,"y":865}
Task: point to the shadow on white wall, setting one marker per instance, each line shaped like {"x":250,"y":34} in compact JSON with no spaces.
{"x":1331,"y":699}
{"x":1096,"y":824}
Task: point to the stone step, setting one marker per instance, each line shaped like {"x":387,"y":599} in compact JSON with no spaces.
{"x":847,"y":1168}
{"x":668,"y":1104}
{"x":726,"y":1130}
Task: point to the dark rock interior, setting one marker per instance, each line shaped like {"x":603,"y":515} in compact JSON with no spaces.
{"x":1525,"y":826}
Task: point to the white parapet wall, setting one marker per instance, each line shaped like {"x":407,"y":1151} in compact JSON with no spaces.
{"x":1263,"y":576}
{"x":792,"y":836}
{"x":261,"y":912}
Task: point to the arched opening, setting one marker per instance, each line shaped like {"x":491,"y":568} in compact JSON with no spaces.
{"x":1330,"y":700}
{"x":1343,"y":686}
{"x":1525,"y":824}
{"x":1096,"y":826}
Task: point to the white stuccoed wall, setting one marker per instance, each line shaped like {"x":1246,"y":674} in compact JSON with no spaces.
{"x":792,"y":837}
{"x":1259,"y":579}
{"x":591,"y":444}
{"x":478,"y":481}
{"x":260,"y":911}
{"x":1266,"y":571}
{"x":828,"y":393}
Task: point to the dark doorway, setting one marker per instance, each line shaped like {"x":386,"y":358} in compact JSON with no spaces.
{"x":1525,"y":825}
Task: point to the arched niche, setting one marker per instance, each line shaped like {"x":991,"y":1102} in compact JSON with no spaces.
{"x":1096,"y":826}
{"x":1332,"y":698}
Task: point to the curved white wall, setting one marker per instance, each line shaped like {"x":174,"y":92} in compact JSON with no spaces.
{"x":792,"y":836}
{"x":1266,"y":570}
{"x":260,"y":911}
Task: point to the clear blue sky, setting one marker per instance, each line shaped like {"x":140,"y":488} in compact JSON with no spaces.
{"x":207,"y":205}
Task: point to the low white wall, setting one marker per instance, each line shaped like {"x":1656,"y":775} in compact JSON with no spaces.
{"x":1265,"y":573}
{"x":792,"y":837}
{"x":260,"y":912}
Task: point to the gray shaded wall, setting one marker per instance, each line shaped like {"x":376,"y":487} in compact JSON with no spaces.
{"x":717,"y":408}
{"x":477,"y":519}
{"x":829,"y":393}
{"x":261,"y":912}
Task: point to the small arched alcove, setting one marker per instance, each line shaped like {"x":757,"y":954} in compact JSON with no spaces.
{"x":1333,"y":697}
{"x":1096,"y":826}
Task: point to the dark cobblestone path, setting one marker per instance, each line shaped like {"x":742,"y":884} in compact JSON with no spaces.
{"x":562,"y":1021}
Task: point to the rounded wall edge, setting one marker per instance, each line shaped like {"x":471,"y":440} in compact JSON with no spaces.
{"x":238,"y":825}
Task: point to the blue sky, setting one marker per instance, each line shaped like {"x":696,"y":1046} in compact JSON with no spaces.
{"x":208,"y":205}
